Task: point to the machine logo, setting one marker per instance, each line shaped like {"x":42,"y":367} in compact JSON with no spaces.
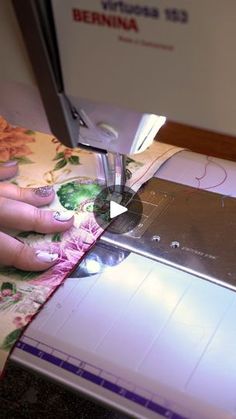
{"x":127,"y":23}
{"x":103,"y":19}
{"x":131,"y":9}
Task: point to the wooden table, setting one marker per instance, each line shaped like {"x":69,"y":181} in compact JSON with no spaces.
{"x":198,"y":140}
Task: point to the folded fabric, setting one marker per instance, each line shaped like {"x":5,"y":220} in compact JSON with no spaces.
{"x":73,"y":173}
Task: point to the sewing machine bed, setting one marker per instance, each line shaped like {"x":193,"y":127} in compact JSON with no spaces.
{"x":143,"y":336}
{"x":183,"y":227}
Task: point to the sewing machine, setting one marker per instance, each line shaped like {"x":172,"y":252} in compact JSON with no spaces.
{"x":160,"y":343}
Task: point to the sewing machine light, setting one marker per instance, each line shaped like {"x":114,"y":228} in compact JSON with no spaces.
{"x":148,"y":128}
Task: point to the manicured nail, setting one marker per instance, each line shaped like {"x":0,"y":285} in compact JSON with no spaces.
{"x":46,"y":257}
{"x":62,"y":216}
{"x":9,"y":163}
{"x":43,"y":191}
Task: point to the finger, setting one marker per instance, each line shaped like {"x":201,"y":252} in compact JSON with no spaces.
{"x":8,"y":169}
{"x":26,"y":217}
{"x":37,"y":197}
{"x":21,"y":256}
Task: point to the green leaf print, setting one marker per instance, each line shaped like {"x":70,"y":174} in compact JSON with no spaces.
{"x":74,"y":160}
{"x":23,"y":160}
{"x":17,"y":273}
{"x":72,"y":194}
{"x":60,"y":164}
{"x":56,"y":237}
{"x":29,"y":132}
{"x":25,"y":234}
{"x":8,"y":286}
{"x":10,"y":339}
{"x":59,"y":156}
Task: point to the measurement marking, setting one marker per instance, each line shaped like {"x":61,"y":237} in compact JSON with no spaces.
{"x":97,"y":379}
{"x":122,"y":314}
{"x":164,"y":325}
{"x":80,"y":302}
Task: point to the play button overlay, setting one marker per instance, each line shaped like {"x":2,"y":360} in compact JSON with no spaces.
{"x":116,"y":209}
{"x":119,"y":212}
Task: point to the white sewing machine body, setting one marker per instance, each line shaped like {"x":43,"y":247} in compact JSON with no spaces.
{"x":121,"y":64}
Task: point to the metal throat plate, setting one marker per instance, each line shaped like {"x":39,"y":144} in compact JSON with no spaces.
{"x":188,"y":228}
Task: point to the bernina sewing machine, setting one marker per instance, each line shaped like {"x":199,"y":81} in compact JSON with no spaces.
{"x":154,"y":311}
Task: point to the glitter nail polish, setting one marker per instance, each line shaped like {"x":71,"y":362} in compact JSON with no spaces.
{"x":43,"y":191}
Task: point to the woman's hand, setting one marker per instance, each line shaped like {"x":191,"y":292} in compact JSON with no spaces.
{"x":19,"y":209}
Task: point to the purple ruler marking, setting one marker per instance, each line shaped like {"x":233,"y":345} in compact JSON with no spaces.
{"x":96,"y":379}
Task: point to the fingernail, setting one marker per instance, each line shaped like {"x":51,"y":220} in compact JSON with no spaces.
{"x":9,"y":163}
{"x":43,"y":191}
{"x":62,"y":216}
{"x":46,"y":257}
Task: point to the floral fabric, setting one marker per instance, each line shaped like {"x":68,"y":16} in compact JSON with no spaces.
{"x":74,"y":175}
